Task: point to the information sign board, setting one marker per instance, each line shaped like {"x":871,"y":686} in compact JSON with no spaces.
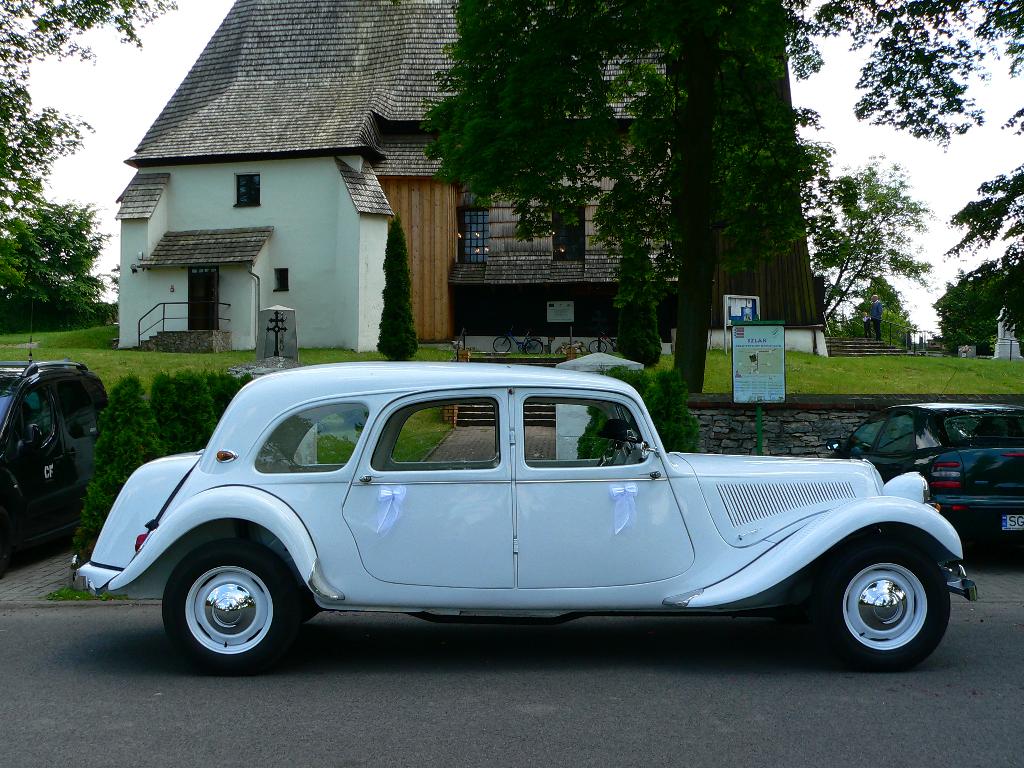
{"x":561,"y":311}
{"x":759,"y":362}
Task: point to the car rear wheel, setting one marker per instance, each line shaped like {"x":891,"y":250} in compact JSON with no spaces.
{"x":232,"y":607}
{"x":881,"y":606}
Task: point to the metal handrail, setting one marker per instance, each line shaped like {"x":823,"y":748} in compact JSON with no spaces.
{"x":162,"y":321}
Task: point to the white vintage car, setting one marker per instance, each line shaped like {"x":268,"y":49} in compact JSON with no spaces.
{"x":467,"y":491}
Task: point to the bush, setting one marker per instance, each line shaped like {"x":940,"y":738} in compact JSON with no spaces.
{"x":128,"y":439}
{"x":397,"y":339}
{"x":637,"y":301}
{"x":664,"y":393}
{"x":223,"y":387}
{"x":184,"y":410}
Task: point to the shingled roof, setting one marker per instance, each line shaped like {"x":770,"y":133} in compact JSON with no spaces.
{"x":139,"y":199}
{"x":209,"y":246}
{"x":366,"y":192}
{"x":301,"y":77}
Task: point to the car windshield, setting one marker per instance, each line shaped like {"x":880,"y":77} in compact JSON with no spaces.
{"x":7,"y":385}
{"x":982,"y":428}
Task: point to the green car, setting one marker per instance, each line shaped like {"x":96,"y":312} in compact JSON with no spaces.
{"x":971,"y":455}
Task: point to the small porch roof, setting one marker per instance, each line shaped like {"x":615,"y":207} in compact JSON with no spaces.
{"x":209,"y":246}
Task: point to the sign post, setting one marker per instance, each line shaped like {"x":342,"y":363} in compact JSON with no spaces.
{"x":759,"y":366}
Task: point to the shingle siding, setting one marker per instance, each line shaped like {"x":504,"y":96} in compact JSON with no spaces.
{"x":365,"y":190}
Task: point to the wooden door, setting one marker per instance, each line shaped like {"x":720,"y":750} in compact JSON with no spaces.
{"x":203,"y":295}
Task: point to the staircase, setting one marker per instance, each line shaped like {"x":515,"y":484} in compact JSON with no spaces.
{"x":839,"y":346}
{"x":481,"y":415}
{"x":188,"y":341}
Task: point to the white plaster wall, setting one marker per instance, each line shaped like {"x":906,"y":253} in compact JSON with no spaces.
{"x":797,"y":340}
{"x":373,"y":239}
{"x":137,"y":294}
{"x":317,"y":236}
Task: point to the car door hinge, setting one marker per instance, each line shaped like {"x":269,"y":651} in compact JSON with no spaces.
{"x":512,"y":437}
{"x":515,"y":546}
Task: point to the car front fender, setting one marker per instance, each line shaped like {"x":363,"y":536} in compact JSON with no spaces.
{"x":228,"y":503}
{"x":795,"y":552}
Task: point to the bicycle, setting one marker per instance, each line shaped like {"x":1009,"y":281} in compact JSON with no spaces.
{"x":603,"y":343}
{"x":529,"y":344}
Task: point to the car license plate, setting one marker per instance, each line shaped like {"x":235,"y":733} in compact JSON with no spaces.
{"x":1013,"y":522}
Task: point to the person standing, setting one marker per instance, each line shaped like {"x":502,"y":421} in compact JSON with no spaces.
{"x":876,"y":316}
{"x":867,"y":326}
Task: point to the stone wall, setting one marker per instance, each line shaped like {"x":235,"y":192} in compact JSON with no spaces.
{"x":188,"y":341}
{"x":804,"y":425}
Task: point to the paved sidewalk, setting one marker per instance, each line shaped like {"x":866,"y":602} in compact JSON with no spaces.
{"x":36,"y":573}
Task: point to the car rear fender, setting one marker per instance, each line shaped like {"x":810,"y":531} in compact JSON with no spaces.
{"x":215,"y":513}
{"x":916,"y":524}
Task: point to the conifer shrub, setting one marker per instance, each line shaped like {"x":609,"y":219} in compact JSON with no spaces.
{"x":637,"y":301}
{"x":223,"y":387}
{"x":184,"y":410}
{"x":397,"y":339}
{"x":665,"y":394}
{"x":128,"y":438}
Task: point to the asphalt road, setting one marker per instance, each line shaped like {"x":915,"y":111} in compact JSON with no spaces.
{"x":98,"y":685}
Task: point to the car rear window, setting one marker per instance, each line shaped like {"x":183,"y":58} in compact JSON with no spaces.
{"x":984,"y":428}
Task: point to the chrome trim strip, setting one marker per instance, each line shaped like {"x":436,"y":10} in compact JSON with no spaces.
{"x":321,"y":587}
{"x":645,"y":479}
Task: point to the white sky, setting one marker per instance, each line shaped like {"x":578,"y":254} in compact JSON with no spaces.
{"x":123,"y":91}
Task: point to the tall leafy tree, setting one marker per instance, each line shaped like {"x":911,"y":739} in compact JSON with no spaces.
{"x":397,"y":339}
{"x":55,"y":251}
{"x":860,"y":226}
{"x":676,"y":102}
{"x":969,"y":310}
{"x":32,"y":138}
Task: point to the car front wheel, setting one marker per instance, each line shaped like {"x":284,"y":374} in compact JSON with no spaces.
{"x":881,"y":607}
{"x":232,"y":607}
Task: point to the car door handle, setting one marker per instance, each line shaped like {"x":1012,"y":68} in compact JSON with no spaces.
{"x":365,"y":479}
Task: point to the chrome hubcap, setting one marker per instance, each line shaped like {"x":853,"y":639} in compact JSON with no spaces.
{"x":885,"y":606}
{"x":229,"y":610}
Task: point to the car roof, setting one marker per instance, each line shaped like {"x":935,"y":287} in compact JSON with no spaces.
{"x":964,"y":407}
{"x":314,"y":381}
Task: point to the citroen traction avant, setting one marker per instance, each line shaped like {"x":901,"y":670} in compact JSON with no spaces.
{"x":461,"y":492}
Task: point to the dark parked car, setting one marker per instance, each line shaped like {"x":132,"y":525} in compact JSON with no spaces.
{"x":971,"y":455}
{"x":48,"y":413}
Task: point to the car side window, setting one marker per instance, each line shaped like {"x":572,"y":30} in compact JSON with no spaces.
{"x":320,"y":439}
{"x":36,"y":409}
{"x":440,"y":435}
{"x":77,"y":409}
{"x":577,"y":432}
{"x":897,"y":436}
{"x":866,"y":434}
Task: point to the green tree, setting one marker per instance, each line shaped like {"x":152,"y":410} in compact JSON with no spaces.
{"x":894,"y":311}
{"x":397,"y":339}
{"x":55,"y":251}
{"x":184,"y":410}
{"x":32,"y":139}
{"x":128,"y":439}
{"x":860,"y":226}
{"x":969,"y":310}
{"x":676,"y":102}
{"x":666,"y":400}
{"x":637,"y":300}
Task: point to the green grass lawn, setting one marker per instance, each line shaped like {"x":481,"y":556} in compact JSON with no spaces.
{"x":805,"y":374}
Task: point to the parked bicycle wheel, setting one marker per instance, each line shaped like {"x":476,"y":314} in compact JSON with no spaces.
{"x":502,"y":344}
{"x":599,"y":345}
{"x":532,"y":346}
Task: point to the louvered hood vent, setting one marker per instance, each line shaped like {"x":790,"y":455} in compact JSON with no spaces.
{"x":748,"y":503}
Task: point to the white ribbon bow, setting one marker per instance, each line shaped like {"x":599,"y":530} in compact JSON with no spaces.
{"x":389,"y":508}
{"x":624,"y":497}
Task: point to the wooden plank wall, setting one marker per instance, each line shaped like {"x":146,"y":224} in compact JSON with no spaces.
{"x":428,"y":212}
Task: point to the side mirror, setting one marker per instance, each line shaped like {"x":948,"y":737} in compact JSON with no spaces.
{"x":33,"y":438}
{"x":832,"y":446}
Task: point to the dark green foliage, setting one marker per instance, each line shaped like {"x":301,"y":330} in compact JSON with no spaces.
{"x":128,"y":438}
{"x":665,"y":395}
{"x":397,"y":330}
{"x":223,"y":387}
{"x":894,"y":313}
{"x":637,"y":300}
{"x":54,"y":249}
{"x":666,"y":400}
{"x":184,"y":410}
{"x":969,"y":310}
